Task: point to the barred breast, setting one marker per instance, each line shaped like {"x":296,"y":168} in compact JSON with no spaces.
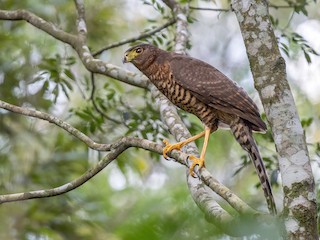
{"x":185,"y":100}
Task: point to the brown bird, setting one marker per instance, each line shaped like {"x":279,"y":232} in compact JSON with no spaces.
{"x":204,"y":91}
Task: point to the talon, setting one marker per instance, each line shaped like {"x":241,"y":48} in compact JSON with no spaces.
{"x":195,"y":161}
{"x":165,"y":149}
{"x":169,"y":147}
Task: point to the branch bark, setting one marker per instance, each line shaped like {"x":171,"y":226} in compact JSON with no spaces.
{"x":78,"y":43}
{"x":213,"y":211}
{"x":202,"y":197}
{"x":133,"y":39}
{"x":52,"y":119}
{"x":201,"y":194}
{"x":116,"y":149}
{"x":269,"y":71}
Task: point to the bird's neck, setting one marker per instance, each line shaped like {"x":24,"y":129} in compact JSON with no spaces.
{"x":146,"y":66}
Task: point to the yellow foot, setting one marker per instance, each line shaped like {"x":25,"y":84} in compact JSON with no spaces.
{"x":169,"y":147}
{"x":195,"y":161}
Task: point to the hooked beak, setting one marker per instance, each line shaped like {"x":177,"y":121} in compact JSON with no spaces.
{"x":125,"y":58}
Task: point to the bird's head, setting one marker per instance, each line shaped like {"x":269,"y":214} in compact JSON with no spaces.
{"x":140,"y":54}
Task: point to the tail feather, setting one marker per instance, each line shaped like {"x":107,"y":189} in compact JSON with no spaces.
{"x":243,"y":135}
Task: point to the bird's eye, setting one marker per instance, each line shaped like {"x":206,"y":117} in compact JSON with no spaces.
{"x":138,"y":50}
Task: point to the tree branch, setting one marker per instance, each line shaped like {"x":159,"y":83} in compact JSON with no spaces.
{"x":82,"y":32}
{"x":239,"y":205}
{"x":92,"y":99}
{"x":210,"y":9}
{"x":269,"y":72}
{"x":223,"y":219}
{"x":81,"y":20}
{"x":65,"y":126}
{"x":182,"y":34}
{"x":133,"y":39}
{"x":116,"y":149}
{"x":199,"y":192}
{"x":228,"y":9}
{"x":93,"y":65}
{"x":39,"y":23}
{"x":168,"y":113}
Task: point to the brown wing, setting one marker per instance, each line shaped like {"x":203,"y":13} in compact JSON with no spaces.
{"x":212,"y":87}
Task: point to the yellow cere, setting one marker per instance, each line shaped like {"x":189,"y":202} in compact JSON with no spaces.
{"x":131,"y":55}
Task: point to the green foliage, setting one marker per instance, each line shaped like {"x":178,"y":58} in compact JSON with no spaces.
{"x":163,"y":39}
{"x":56,"y":70}
{"x":291,"y":43}
{"x":145,"y":123}
{"x":296,"y":43}
{"x":38,"y":71}
{"x":299,"y":6}
{"x":306,"y":122}
{"x":157,"y":5}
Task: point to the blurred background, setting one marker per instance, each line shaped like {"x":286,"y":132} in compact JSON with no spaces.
{"x":141,"y":195}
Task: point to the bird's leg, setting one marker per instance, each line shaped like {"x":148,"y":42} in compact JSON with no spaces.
{"x":200,"y":161}
{"x":169,"y":147}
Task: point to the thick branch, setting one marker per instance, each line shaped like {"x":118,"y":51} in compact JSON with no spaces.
{"x":225,"y":193}
{"x":182,"y":34}
{"x":198,"y":190}
{"x":93,"y":65}
{"x":39,"y":23}
{"x":107,"y":69}
{"x":269,"y":71}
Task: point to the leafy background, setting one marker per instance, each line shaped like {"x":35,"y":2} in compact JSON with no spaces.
{"x":140,"y":196}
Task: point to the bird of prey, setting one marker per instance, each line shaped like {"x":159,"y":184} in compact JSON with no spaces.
{"x":204,"y":91}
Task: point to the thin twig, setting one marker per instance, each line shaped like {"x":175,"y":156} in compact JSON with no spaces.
{"x":210,"y":9}
{"x":93,"y":88}
{"x":289,"y":21}
{"x":280,"y":6}
{"x":228,"y":10}
{"x":143,"y":35}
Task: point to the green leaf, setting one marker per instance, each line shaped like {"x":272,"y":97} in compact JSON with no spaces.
{"x":55,"y":92}
{"x":159,"y":39}
{"x":83,"y":115}
{"x":67,"y":84}
{"x":70,"y":61}
{"x":306,"y":122}
{"x":111,"y":94}
{"x":69,"y":74}
{"x":306,"y":55}
{"x":65,"y":89}
{"x":285,"y":48}
{"x":92,"y":127}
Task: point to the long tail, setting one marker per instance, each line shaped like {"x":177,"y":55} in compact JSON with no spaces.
{"x":243,"y":135}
